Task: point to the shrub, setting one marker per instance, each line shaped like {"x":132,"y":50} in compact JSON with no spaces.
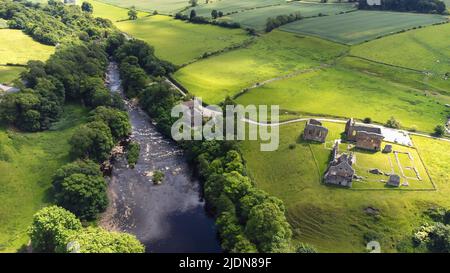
{"x":133,"y":150}
{"x":158,"y":177}
{"x":393,"y":123}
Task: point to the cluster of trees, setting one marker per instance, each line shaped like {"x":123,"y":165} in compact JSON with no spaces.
{"x":54,"y":23}
{"x":95,"y":139}
{"x":193,"y":18}
{"x":55,"y":229}
{"x":248,"y":219}
{"x":80,"y":188}
{"x":72,"y":74}
{"x":280,"y":20}
{"x":435,"y":236}
{"x":423,"y":6}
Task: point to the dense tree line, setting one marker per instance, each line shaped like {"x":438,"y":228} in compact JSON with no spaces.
{"x":423,"y":6}
{"x":194,"y":18}
{"x":54,"y":23}
{"x":55,"y":229}
{"x":273,"y":23}
{"x":73,"y":74}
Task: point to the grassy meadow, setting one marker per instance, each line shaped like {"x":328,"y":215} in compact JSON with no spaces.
{"x":27,"y":163}
{"x":18,"y":48}
{"x":180,"y":42}
{"x":344,"y":92}
{"x":425,"y":49}
{"x":337,"y":219}
{"x":162,"y":6}
{"x":273,"y":55}
{"x":360,"y":26}
{"x":257,"y":18}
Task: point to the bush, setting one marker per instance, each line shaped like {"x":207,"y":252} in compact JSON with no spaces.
{"x":305,"y":248}
{"x":133,"y":150}
{"x":393,"y":123}
{"x":367,"y":120}
{"x":158,"y":177}
{"x":439,"y":130}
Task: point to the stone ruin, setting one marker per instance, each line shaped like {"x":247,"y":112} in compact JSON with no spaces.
{"x":315,"y":131}
{"x":340,"y":171}
{"x":365,"y":137}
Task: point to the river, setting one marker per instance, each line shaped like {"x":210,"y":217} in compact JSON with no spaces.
{"x":169,"y":217}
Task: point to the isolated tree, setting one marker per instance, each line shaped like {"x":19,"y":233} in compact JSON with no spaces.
{"x":132,"y":13}
{"x":393,"y":123}
{"x":214,"y":14}
{"x":87,"y":7}
{"x":50,"y":227}
{"x":193,"y":3}
{"x":192,"y":14}
{"x":439,"y":130}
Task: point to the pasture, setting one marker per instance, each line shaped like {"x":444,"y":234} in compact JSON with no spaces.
{"x":276,"y":54}
{"x":9,"y":73}
{"x":360,"y":26}
{"x":343,"y":220}
{"x":18,"y":48}
{"x":162,"y":6}
{"x":27,"y":163}
{"x":257,"y":18}
{"x":180,"y":42}
{"x":111,"y":12}
{"x":344,"y":92}
{"x":425,"y":49}
{"x":232,"y":6}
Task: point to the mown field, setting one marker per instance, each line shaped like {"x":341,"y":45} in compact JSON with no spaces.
{"x":162,"y":6}
{"x":426,"y":49}
{"x":360,"y":26}
{"x":232,"y":6}
{"x":273,"y":55}
{"x":344,"y":92}
{"x":27,"y":163}
{"x":9,"y":73}
{"x":180,"y":42}
{"x":257,"y":18}
{"x":18,"y":48}
{"x":111,"y":12}
{"x":337,"y":220}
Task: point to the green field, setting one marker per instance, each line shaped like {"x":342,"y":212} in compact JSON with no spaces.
{"x":180,"y":42}
{"x":335,"y":219}
{"x":232,"y":6}
{"x":27,"y":163}
{"x":9,"y":73}
{"x":426,"y":49}
{"x":111,"y":12}
{"x":257,"y":18}
{"x":273,"y":55}
{"x":18,"y":48}
{"x":343,"y":92}
{"x":162,"y":6}
{"x":3,"y":23}
{"x":357,"y":27}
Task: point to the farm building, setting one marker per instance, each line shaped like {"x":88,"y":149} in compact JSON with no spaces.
{"x":340,"y":171}
{"x":315,"y":131}
{"x":394,"y":180}
{"x":366,"y":137}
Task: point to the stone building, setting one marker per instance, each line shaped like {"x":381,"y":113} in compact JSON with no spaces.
{"x":394,"y":180}
{"x":315,"y":131}
{"x":340,"y":171}
{"x":366,"y":137}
